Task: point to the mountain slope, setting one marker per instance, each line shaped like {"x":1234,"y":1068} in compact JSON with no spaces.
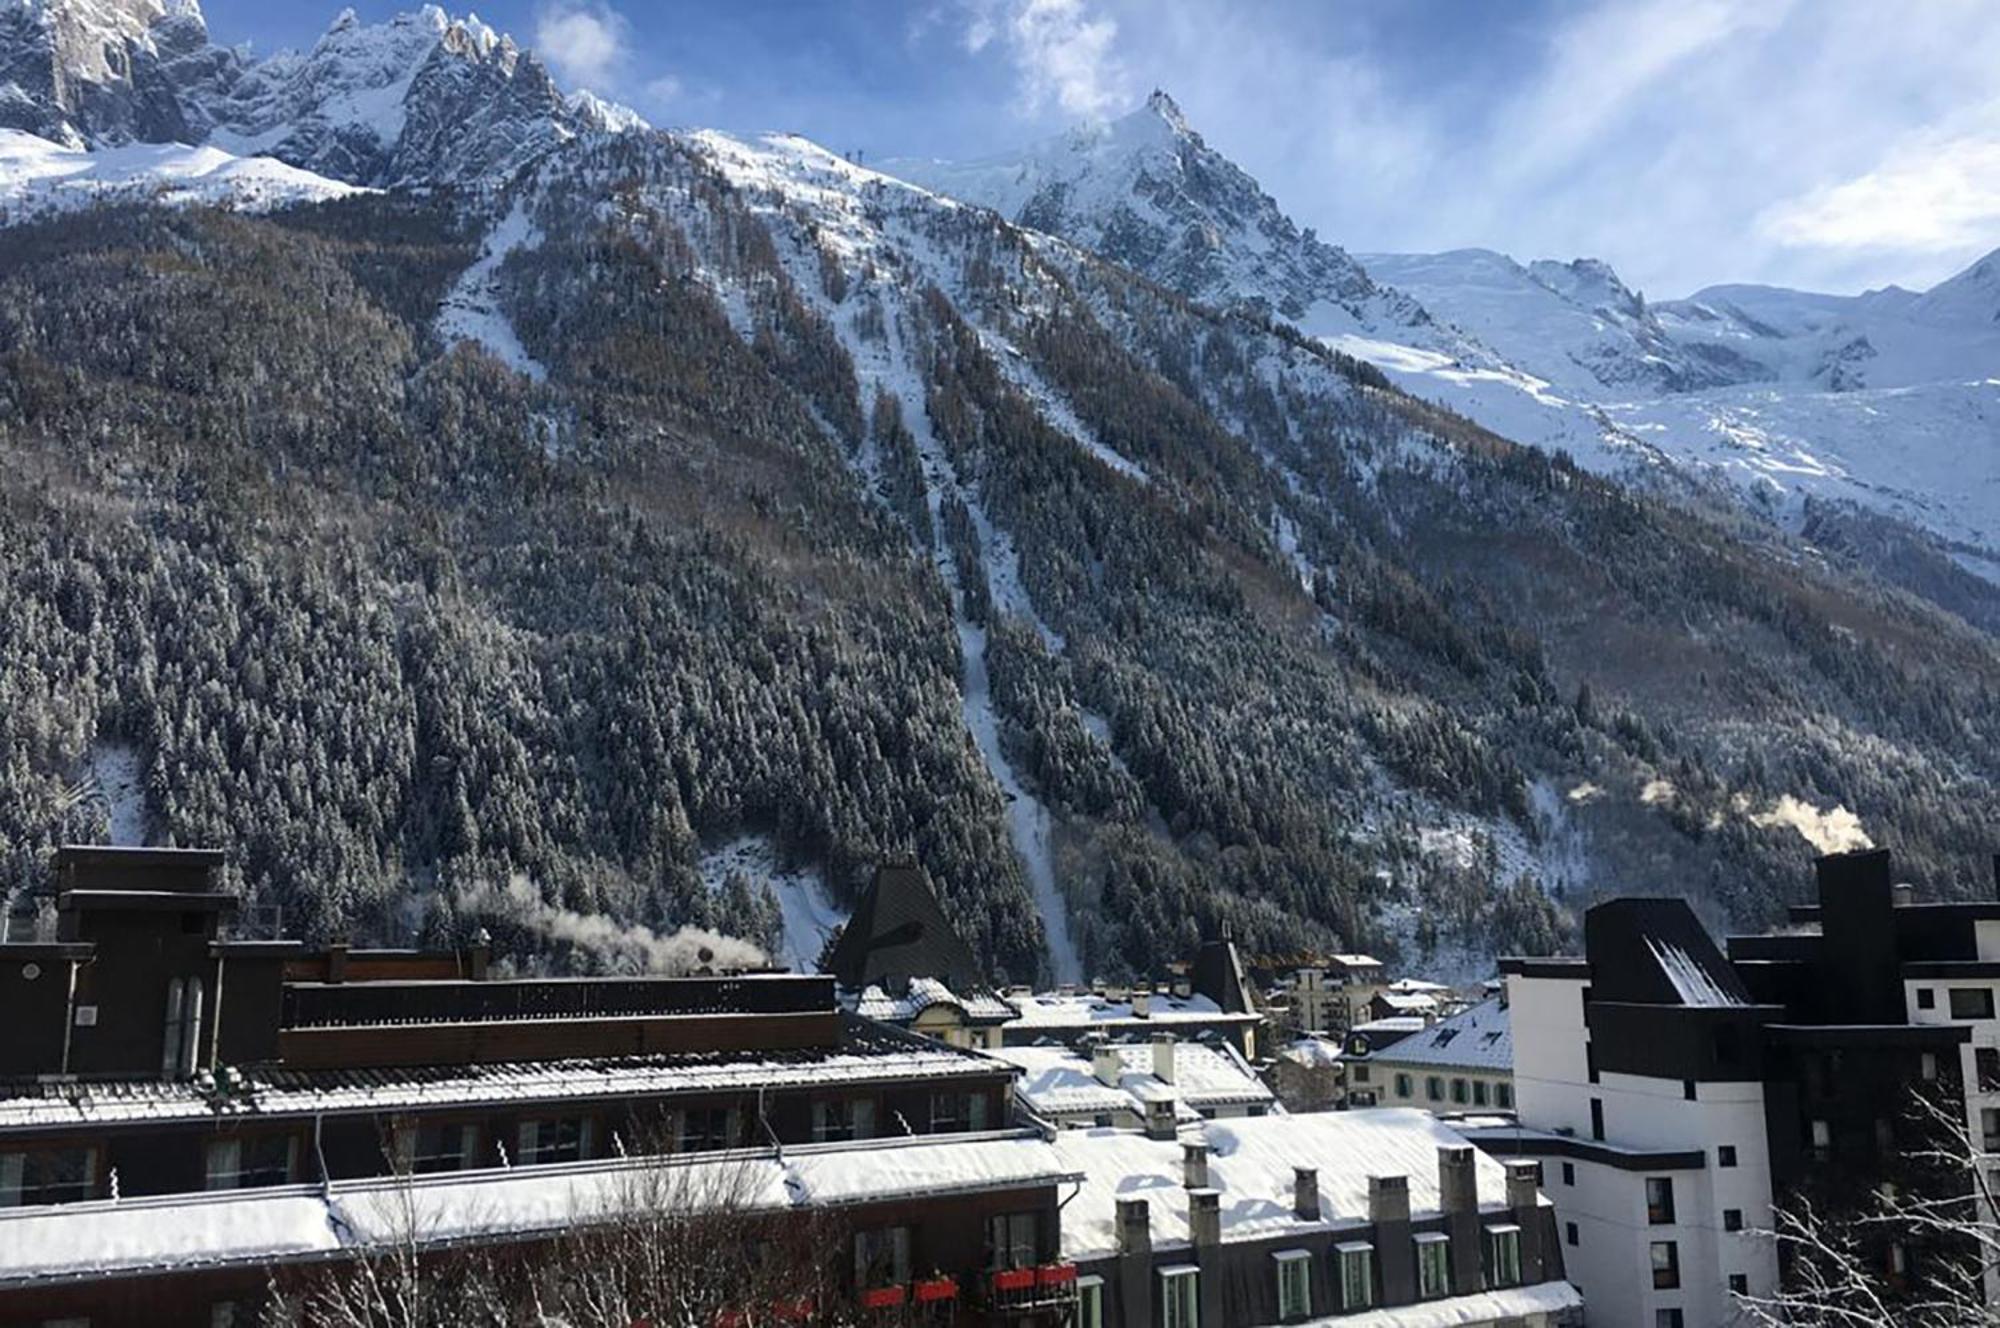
{"x":537,"y":555}
{"x":1739,"y":391}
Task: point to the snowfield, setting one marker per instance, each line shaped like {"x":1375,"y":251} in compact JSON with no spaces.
{"x":38,"y":178}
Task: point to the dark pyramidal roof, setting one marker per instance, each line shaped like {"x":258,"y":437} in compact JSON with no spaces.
{"x":899,"y":932}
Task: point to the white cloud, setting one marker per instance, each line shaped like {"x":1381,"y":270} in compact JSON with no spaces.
{"x":1931,"y":193}
{"x":663,"y":89}
{"x":584,"y":43}
{"x":1062,"y":52}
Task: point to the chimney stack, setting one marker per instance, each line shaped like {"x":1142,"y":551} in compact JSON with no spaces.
{"x":1305,"y":1193}
{"x":1135,"y":1228}
{"x":481,"y":957}
{"x":1458,"y":1183}
{"x":1205,"y":1218}
{"x":1163,"y":1057}
{"x":1142,"y":1003}
{"x":1524,"y":1182}
{"x":1162,"y":1117}
{"x":1904,"y":894}
{"x":1104,"y":1063}
{"x":1194,"y":1165}
{"x":1388,"y":1199}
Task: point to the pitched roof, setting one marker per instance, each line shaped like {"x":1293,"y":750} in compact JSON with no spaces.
{"x":899,"y":932}
{"x":1478,"y":1038}
{"x":1059,"y":1082}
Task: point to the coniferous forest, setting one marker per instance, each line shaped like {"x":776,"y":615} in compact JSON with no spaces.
{"x":1273,"y":644}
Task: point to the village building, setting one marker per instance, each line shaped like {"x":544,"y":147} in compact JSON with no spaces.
{"x":1463,"y":1063}
{"x":1371,"y":1218}
{"x":1675,"y":1094}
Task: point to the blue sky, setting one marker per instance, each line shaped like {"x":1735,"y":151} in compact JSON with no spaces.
{"x":1832,"y":144}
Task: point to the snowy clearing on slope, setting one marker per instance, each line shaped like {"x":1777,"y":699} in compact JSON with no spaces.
{"x":804,"y":902}
{"x":471,"y":311}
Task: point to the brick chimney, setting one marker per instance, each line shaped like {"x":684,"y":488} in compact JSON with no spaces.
{"x":1205,"y":1218}
{"x":1163,"y":1057}
{"x":1305,"y":1193}
{"x":1194,"y":1165}
{"x":1135,"y":1227}
{"x":1388,"y":1199}
{"x":1104,"y":1063}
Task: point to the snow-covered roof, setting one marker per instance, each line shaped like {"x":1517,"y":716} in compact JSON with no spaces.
{"x":1478,"y":1038}
{"x":1251,"y":1161}
{"x":1313,"y":1051}
{"x":1395,"y":1023}
{"x":1058,"y":1082}
{"x":1481,"y":1307}
{"x":1418,"y":987}
{"x":1409,"y":1002}
{"x":1695,"y":983}
{"x":1356,"y":960}
{"x":872,"y":1002}
{"x":91,"y":1240}
{"x":1067,"y":1010}
{"x":866,"y":1055}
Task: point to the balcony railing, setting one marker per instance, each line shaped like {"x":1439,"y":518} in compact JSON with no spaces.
{"x":346,"y":1004}
{"x":1050,"y":1286}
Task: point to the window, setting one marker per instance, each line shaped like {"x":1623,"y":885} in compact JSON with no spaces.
{"x":244,"y":1163}
{"x":1597,"y":1118}
{"x":1180,"y":1299}
{"x":1433,"y":1264}
{"x":1356,"y":1262}
{"x":564,"y":1139}
{"x":706,"y":1128}
{"x":1434,"y":1089}
{"x":1687,"y":1089}
{"x":1590,"y":1060}
{"x":1294,"y":1269}
{"x":1739,"y":1284}
{"x":1971,"y":1002}
{"x":1667,"y":1318}
{"x":1822,"y":1141}
{"x":843,"y":1118}
{"x":1089,"y":1302}
{"x":1732,"y":1219}
{"x":1927,"y":1066}
{"x":950,"y":1112}
{"x":1666,"y":1265}
{"x":1569,"y":1173}
{"x":1725,"y":1156}
{"x":422,"y":1148}
{"x":1013,"y":1240}
{"x":881,"y":1257}
{"x":1989,"y":1128}
{"x":1569,"y":1233}
{"x":1479,"y":1091}
{"x":1503,"y":1096}
{"x":1503,"y":1256}
{"x":1926,"y":998}
{"x":180,"y":1046}
{"x":1402,"y":1085}
{"x":1458,"y":1091}
{"x":1659,"y":1200}
{"x":47,"y":1176}
{"x":1360,"y":1074}
{"x":1985,"y":1059}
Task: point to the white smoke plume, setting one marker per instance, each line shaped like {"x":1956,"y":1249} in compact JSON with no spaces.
{"x":634,"y":948}
{"x":1836,"y":830}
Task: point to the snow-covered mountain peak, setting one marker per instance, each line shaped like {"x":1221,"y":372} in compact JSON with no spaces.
{"x":1168,"y":110}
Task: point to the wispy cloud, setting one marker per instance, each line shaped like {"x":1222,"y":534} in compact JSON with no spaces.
{"x":1063,"y":52}
{"x":586,"y":44}
{"x":1931,"y":192}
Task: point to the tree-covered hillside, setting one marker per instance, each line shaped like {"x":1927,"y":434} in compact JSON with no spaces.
{"x":829,"y":513}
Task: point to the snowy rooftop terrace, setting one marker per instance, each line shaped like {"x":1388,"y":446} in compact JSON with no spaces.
{"x":248,"y":1227}
{"x":1251,"y":1162}
{"x":1057,"y":1082}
